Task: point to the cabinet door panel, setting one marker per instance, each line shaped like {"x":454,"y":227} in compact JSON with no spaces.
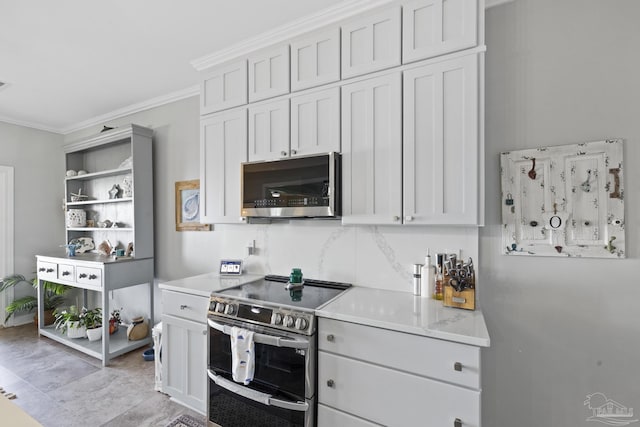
{"x":269,"y":131}
{"x":269,"y":74}
{"x":441,"y":143}
{"x":390,"y":397}
{"x":371,"y":43}
{"x":223,"y":88}
{"x":436,"y":27}
{"x":372,"y":147}
{"x":315,"y":60}
{"x":223,"y":146}
{"x":329,"y":417}
{"x":315,"y":122}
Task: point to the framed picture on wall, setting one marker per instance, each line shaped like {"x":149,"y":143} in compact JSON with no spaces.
{"x":188,"y":206}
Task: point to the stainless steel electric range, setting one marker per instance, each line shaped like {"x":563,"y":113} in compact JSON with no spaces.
{"x":282,"y":318}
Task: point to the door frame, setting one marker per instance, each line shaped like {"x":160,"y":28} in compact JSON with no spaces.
{"x":6,"y":235}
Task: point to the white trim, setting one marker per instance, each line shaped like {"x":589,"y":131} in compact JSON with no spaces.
{"x":492,"y":3}
{"x":32,"y":125}
{"x":134,"y":108}
{"x":6,"y":233}
{"x":288,"y":31}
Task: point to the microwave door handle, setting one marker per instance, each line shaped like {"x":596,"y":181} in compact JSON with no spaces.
{"x":269,"y":340}
{"x":256,"y":396}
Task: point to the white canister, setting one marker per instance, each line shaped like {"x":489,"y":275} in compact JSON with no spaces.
{"x":76,"y":218}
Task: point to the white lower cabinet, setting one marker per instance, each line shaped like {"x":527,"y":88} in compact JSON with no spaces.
{"x":184,"y":347}
{"x":369,"y":376}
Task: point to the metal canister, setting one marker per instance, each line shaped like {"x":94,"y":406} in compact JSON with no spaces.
{"x":417,"y":279}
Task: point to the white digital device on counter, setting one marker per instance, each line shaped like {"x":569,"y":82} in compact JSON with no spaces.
{"x":230,"y":267}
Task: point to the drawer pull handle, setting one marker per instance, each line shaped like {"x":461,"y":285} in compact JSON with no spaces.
{"x":92,"y":277}
{"x":283,"y":153}
{"x":457,"y":423}
{"x":183,"y":306}
{"x":82,"y":275}
{"x":50,"y":270}
{"x":42,"y":269}
{"x":330,"y":383}
{"x":66,"y":273}
{"x":331,"y":338}
{"x":457,"y":366}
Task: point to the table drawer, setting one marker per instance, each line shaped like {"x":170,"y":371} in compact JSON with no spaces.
{"x":47,"y":270}
{"x":391,"y":397}
{"x":90,"y":277}
{"x":186,"y":306}
{"x":66,"y":272}
{"x":443,"y":360}
{"x":329,"y":417}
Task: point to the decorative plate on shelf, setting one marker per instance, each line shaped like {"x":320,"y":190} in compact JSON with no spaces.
{"x":83,"y":244}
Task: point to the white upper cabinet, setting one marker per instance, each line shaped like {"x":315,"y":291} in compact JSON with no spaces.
{"x":315,"y":122}
{"x":315,"y":60}
{"x":269,"y":73}
{"x":441,"y":180}
{"x":223,"y":147}
{"x":269,"y":130}
{"x":223,"y":87}
{"x":372,"y":151}
{"x":371,"y":43}
{"x":435,"y":27}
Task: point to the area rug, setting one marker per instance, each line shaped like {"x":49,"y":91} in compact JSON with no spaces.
{"x":186,"y":421}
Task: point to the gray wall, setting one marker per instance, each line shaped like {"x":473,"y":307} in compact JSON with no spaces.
{"x":560,"y":72}
{"x":38,"y":163}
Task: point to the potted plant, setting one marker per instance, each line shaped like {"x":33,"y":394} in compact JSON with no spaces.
{"x":92,"y":320}
{"x":69,"y":321}
{"x":53,"y":297}
{"x":114,"y":321}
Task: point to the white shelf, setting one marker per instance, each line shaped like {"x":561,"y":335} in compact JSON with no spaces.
{"x":99,"y":202}
{"x":111,"y":172}
{"x":100,"y":229}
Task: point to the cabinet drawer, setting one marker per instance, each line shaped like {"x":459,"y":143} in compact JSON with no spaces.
{"x":186,"y":306}
{"x":66,"y":272}
{"x":47,"y":270}
{"x":393,"y":398}
{"x":329,"y":417}
{"x":443,"y":360}
{"x":90,"y":277}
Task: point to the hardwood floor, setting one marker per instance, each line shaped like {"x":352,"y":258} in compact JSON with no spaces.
{"x":59,"y":386}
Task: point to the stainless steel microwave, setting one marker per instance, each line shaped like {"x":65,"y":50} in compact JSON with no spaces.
{"x":298,"y":187}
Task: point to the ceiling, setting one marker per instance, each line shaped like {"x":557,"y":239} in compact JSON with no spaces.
{"x":69,"y":63}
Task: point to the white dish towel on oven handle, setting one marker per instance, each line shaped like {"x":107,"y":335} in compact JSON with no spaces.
{"x":242,"y":355}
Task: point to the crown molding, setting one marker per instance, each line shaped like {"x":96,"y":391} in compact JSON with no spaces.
{"x":492,"y":3}
{"x":134,"y":108}
{"x":288,"y":31}
{"x":33,"y":125}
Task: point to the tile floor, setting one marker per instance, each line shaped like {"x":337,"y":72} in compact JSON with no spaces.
{"x":59,"y":386}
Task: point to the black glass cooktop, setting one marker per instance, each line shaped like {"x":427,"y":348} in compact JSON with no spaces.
{"x":272,"y":290}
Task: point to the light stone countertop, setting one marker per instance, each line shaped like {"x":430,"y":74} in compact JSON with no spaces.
{"x":404,"y":312}
{"x":204,"y":284}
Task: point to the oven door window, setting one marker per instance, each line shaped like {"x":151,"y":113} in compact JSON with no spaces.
{"x":279,"y":371}
{"x":232,"y":410}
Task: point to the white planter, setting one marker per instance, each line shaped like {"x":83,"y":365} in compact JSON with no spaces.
{"x":94,"y":334}
{"x":74,"y":330}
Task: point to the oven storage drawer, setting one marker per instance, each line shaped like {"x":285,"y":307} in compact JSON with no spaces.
{"x":361,"y":388}
{"x":186,"y":306}
{"x":90,"y":278}
{"x":47,"y":270}
{"x":329,"y":417}
{"x":443,"y":360}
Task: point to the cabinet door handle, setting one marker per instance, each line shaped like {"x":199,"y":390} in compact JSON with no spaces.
{"x":294,"y":152}
{"x":42,"y":269}
{"x":330,"y":338}
{"x":92,"y":277}
{"x":66,"y":273}
{"x":396,"y":218}
{"x":50,"y":270}
{"x":82,"y":275}
{"x":283,"y":153}
{"x":457,"y":422}
{"x":408,"y":218}
{"x":330,"y":383}
{"x":457,"y":366}
{"x":183,"y":306}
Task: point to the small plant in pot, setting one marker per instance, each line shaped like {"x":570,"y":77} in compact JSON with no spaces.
{"x":69,"y":321}
{"x":114,"y":321}
{"x":92,"y":320}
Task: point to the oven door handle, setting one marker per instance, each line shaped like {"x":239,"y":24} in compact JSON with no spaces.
{"x":270,"y":340}
{"x":257,"y":396}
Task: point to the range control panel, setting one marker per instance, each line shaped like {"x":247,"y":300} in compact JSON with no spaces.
{"x":281,"y":318}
